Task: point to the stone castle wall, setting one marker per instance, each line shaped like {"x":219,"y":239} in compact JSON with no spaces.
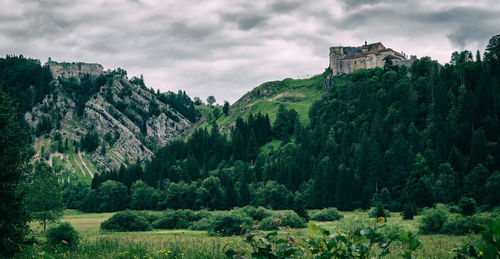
{"x":345,"y":60}
{"x":67,"y":70}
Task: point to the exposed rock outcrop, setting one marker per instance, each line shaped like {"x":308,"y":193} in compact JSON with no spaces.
{"x":129,"y":120}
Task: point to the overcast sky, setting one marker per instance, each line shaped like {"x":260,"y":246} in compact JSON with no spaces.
{"x":227,"y":47}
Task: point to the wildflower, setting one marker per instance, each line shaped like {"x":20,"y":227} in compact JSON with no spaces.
{"x":381,"y":219}
{"x":480,"y":253}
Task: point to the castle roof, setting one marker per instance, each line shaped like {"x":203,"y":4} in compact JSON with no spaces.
{"x":376,"y":48}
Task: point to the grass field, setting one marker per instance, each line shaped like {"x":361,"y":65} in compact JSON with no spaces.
{"x":198,"y":244}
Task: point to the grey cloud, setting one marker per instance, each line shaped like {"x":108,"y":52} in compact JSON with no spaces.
{"x":247,"y":23}
{"x":286,"y":6}
{"x":227,"y":47}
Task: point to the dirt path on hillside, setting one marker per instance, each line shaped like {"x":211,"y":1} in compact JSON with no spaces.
{"x":85,"y":165}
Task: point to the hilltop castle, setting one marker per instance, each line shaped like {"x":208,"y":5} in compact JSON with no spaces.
{"x":344,"y":60}
{"x":67,"y":70}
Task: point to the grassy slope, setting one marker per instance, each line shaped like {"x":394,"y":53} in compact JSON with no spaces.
{"x":73,"y":164}
{"x":304,"y":93}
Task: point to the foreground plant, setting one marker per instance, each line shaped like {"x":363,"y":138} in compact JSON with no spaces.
{"x":490,"y":247}
{"x":353,"y":244}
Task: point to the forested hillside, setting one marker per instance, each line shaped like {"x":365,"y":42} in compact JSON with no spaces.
{"x":395,"y":136}
{"x":86,"y":121}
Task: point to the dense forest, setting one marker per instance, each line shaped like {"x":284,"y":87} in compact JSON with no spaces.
{"x":396,"y":136}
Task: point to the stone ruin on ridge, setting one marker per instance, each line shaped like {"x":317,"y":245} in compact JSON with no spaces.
{"x":345,"y":60}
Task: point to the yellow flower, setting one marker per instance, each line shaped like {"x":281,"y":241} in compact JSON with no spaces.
{"x":480,"y":253}
{"x":381,"y":219}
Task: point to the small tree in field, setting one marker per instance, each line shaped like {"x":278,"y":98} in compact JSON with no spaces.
{"x":210,"y":100}
{"x":468,"y":206}
{"x":44,"y":195}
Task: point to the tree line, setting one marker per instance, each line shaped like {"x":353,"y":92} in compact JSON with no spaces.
{"x":423,"y":135}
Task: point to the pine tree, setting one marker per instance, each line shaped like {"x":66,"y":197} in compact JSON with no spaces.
{"x":252,"y":148}
{"x":14,"y":156}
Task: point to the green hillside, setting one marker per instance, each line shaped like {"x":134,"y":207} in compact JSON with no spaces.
{"x":297,"y":94}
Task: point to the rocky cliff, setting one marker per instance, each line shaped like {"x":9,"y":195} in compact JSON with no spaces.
{"x":121,"y":119}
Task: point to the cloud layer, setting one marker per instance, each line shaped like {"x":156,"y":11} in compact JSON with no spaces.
{"x":226,"y":47}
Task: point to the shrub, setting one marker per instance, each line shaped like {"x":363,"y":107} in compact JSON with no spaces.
{"x":409,"y":211}
{"x":229,"y":223}
{"x":284,"y":219}
{"x":433,"y":220}
{"x":454,"y":208}
{"x":176,"y":219}
{"x":377,"y":212}
{"x":63,"y":234}
{"x":126,"y":221}
{"x":456,"y":225}
{"x":151,"y":217}
{"x":327,"y":214}
{"x":258,"y":213}
{"x":468,"y":206}
{"x":202,"y":224}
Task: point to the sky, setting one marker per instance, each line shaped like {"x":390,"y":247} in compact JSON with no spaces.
{"x":225,"y":48}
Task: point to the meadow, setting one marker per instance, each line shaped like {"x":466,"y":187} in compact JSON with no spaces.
{"x":198,"y":244}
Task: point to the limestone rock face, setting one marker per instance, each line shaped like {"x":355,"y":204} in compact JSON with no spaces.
{"x":129,"y":120}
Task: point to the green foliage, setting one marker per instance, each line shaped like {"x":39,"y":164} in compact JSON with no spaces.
{"x":433,"y":219}
{"x":487,"y":248}
{"x":467,"y":206}
{"x":113,"y":196}
{"x":225,"y":108}
{"x":63,"y":235}
{"x":90,"y":141}
{"x":377,"y":212}
{"x":229,"y":223}
{"x":283,"y":219}
{"x":44,"y":195}
{"x":210,"y":100}
{"x":460,"y":225}
{"x":25,"y":80}
{"x":325,"y":245}
{"x":142,"y":196}
{"x":126,"y":221}
{"x":326,"y":214}
{"x":15,"y":153}
{"x":256,"y":213}
{"x":409,"y":211}
{"x":176,"y":219}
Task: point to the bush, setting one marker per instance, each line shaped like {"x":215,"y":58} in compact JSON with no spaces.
{"x":126,"y":221}
{"x":229,"y":223}
{"x":283,"y":219}
{"x":456,"y":225}
{"x":151,"y":217}
{"x":377,"y":212}
{"x":461,"y":225}
{"x":258,"y":213}
{"x":409,"y":211}
{"x":327,"y":214}
{"x":433,"y":220}
{"x":64,"y":234}
{"x":176,"y":219}
{"x":202,"y":224}
{"x":468,"y":206}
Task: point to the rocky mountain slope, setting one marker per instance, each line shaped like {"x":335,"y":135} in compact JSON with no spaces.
{"x":95,"y":120}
